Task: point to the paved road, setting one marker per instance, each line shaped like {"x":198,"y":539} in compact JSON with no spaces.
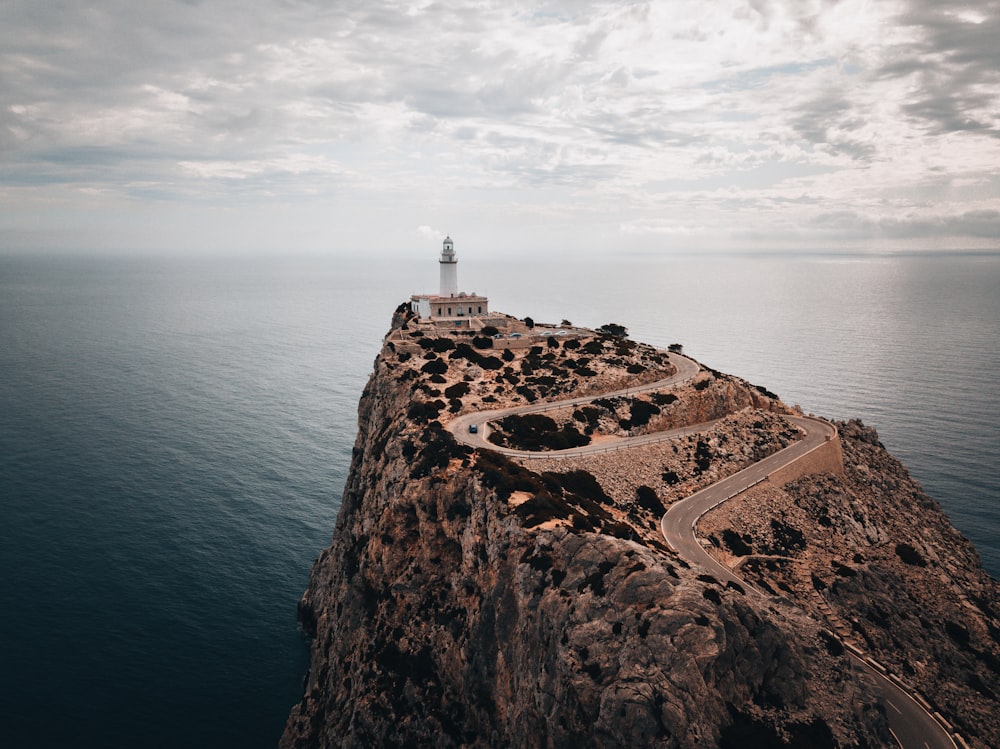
{"x":911,"y":724}
{"x":678,"y":525}
{"x":686,"y":370}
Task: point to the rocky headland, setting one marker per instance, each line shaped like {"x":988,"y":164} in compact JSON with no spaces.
{"x":472,"y":598}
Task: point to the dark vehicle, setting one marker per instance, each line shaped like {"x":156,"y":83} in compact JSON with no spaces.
{"x":473,"y":429}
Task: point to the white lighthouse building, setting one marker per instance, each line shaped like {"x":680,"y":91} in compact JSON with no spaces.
{"x":449,"y":269}
{"x":457,"y":308}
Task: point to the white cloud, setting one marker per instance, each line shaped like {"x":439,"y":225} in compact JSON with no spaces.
{"x":582,"y":120}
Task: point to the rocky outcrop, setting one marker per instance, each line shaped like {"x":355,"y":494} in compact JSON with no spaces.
{"x":870,"y":554}
{"x":469,"y":600}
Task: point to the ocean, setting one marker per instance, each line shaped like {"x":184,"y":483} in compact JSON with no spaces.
{"x":175,"y":435}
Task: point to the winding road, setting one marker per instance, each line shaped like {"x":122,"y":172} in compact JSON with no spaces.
{"x":911,"y":723}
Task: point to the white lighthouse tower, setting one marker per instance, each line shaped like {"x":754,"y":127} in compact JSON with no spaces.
{"x":451,"y":307}
{"x":449,"y":269}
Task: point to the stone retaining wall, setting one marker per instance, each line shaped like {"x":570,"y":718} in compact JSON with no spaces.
{"x":827,"y":458}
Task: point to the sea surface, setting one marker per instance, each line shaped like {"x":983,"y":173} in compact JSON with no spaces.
{"x":175,"y":435}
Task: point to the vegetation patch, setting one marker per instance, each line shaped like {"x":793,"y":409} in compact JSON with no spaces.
{"x":435,"y":366}
{"x":786,"y":538}
{"x":438,"y":450}
{"x":536,"y":432}
{"x":648,"y":500}
{"x":642,"y":411}
{"x":702,"y":457}
{"x":910,"y":555}
{"x":420,"y":412}
{"x":737,"y":545}
{"x":457,"y":390}
{"x":581,"y":483}
{"x":574,"y":496}
{"x":664,"y":399}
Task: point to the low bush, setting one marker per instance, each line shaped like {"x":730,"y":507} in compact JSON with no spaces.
{"x":670,"y":478}
{"x":457,"y":390}
{"x":614,"y":329}
{"x":420,"y":412}
{"x":664,"y":399}
{"x":736,"y":544}
{"x":435,"y":366}
{"x":439,"y":449}
{"x":582,"y":483}
{"x":642,"y":412}
{"x":910,"y":555}
{"x":648,"y":500}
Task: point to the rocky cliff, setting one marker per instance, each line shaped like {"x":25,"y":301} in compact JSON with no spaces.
{"x":468,"y":599}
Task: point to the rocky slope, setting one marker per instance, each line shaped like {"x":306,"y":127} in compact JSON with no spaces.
{"x":469,"y":600}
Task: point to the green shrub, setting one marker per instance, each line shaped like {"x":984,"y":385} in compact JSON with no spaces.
{"x":581,"y":483}
{"x":736,"y":544}
{"x":457,"y":390}
{"x":614,"y":329}
{"x":435,"y":366}
{"x":421,"y":412}
{"x":910,"y":555}
{"x":438,"y":451}
{"x":642,"y":412}
{"x":647,"y":499}
{"x":539,"y":432}
{"x":664,"y":399}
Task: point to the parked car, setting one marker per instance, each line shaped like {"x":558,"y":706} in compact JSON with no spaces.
{"x":473,"y":429}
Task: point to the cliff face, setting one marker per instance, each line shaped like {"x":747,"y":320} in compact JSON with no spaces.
{"x":468,"y":600}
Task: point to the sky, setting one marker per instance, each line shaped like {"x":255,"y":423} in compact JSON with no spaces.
{"x":548,"y":128}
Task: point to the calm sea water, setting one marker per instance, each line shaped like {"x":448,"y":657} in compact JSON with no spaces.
{"x":175,"y":434}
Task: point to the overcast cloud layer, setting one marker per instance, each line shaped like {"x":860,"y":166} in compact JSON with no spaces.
{"x":541,"y":126}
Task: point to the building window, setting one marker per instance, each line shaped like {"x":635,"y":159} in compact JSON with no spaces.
{"x":480,"y":310}
{"x":449,"y":312}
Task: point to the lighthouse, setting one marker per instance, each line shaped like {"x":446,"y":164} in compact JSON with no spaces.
{"x":449,"y":269}
{"x":451,"y":307}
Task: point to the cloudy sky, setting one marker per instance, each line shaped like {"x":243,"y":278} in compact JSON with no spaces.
{"x":544,"y":127}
